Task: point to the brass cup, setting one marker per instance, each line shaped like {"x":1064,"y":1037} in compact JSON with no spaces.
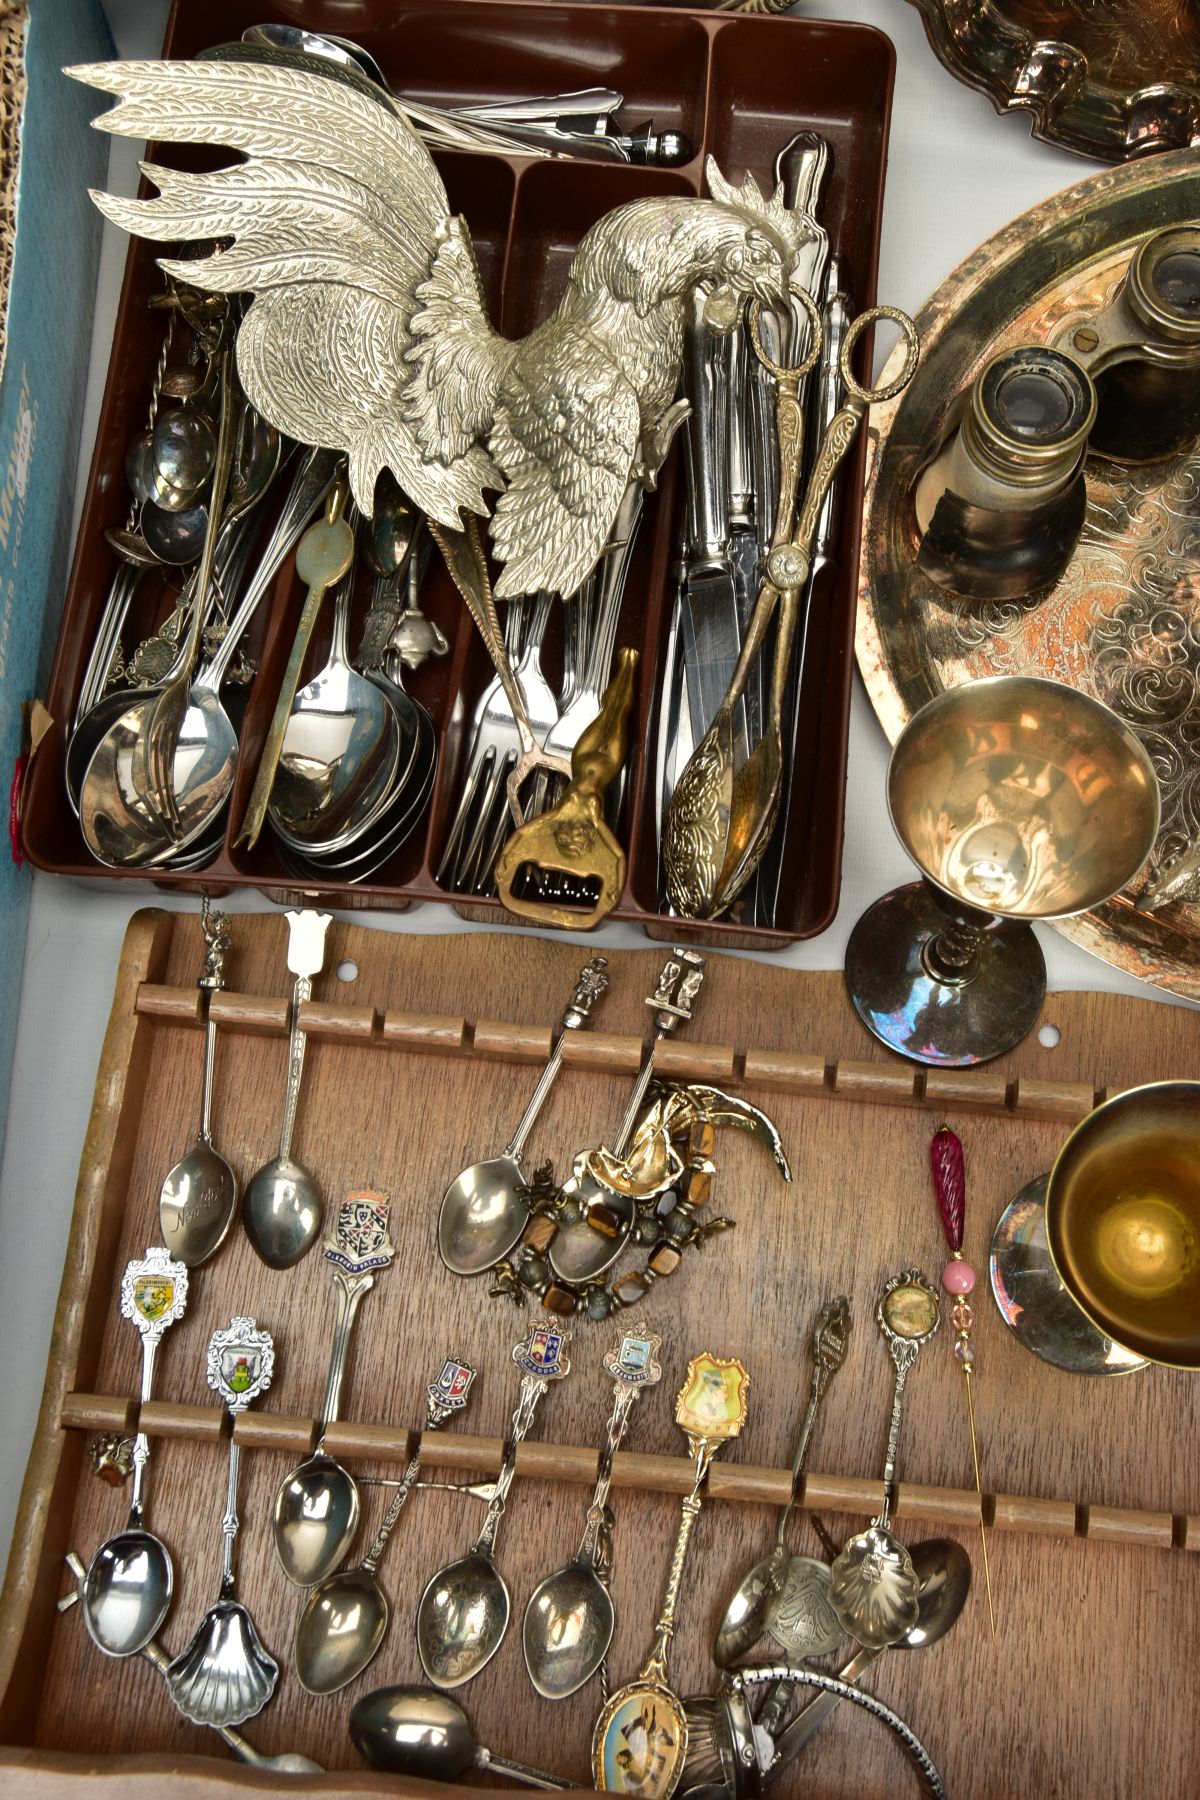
{"x":1018,"y":799}
{"x":1023,"y":798}
{"x":1123,"y":1220}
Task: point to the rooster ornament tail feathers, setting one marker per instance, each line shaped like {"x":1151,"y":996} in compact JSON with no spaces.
{"x":368,"y":330}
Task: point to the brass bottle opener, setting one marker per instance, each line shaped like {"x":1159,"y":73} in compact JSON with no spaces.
{"x":573,"y":839}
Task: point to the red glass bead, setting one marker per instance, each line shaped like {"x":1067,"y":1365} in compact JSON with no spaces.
{"x":949,"y":1183}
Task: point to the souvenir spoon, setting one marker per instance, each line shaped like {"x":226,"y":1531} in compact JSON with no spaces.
{"x":464,"y":1611}
{"x":200,"y":1195}
{"x":316,"y":1506}
{"x":127,"y":1589}
{"x":570,"y":1618}
{"x":225,"y":1675}
{"x":595,"y":1222}
{"x":640,"y":1739}
{"x":346,"y":1615}
{"x":792,"y":1605}
{"x":944,"y":1572}
{"x":281,"y":1208}
{"x":874,"y":1590}
{"x":482,"y":1213}
{"x":287,"y":1763}
{"x":414,"y":1731}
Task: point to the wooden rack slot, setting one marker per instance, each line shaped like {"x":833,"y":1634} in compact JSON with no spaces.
{"x":602,"y":1053}
{"x":748,"y":1483}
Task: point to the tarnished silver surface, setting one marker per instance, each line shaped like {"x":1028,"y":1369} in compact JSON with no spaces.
{"x":368,"y":331}
{"x":1123,"y":622}
{"x":225,"y":1674}
{"x":1106,"y":78}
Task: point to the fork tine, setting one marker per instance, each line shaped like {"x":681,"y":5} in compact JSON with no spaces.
{"x":502,"y":826}
{"x":448,"y":867}
{"x":472,"y":862}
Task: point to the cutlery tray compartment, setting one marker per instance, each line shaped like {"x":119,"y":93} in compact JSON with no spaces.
{"x":740,"y":87}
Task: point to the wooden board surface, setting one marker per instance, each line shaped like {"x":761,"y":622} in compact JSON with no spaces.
{"x":1083,"y":1687}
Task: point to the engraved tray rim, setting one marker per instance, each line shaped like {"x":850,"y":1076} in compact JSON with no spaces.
{"x":1049,"y":78}
{"x":1133,"y":199}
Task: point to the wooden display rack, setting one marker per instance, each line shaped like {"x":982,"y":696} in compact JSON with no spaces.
{"x":419,"y":1065}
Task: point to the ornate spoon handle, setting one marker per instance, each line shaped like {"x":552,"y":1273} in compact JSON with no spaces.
{"x":153,"y":1296}
{"x":633,"y":1365}
{"x":542,"y":1358}
{"x":830,"y":1336}
{"x":444,"y":1398}
{"x":655,"y":1666}
{"x":591,"y":986}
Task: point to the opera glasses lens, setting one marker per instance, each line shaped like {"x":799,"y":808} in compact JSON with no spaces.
{"x":1001,"y":506}
{"x":1144,"y":353}
{"x":1176,"y":280}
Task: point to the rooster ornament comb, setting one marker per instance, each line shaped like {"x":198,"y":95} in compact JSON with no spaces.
{"x":368,"y":331}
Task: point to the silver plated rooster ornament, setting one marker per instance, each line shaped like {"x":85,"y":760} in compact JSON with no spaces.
{"x":368,"y":332}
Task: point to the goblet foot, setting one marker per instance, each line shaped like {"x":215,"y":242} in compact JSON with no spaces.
{"x":951,"y":1021}
{"x":1033,"y":1302}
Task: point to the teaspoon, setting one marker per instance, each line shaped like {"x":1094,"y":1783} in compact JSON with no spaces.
{"x":226,"y":1675}
{"x":346,"y":1616}
{"x":578,"y":1252}
{"x":752,"y":1608}
{"x":570,"y":1618}
{"x":127,"y":1589}
{"x":482,"y":1213}
{"x":464,"y":1611}
{"x":199,"y":1196}
{"x":944,"y":1572}
{"x":316,"y":1507}
{"x":282,"y":1208}
{"x":288,"y":1762}
{"x":874,"y":1589}
{"x":414,"y":1731}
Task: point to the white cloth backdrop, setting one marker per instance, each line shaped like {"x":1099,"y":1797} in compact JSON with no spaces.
{"x":956,"y":173}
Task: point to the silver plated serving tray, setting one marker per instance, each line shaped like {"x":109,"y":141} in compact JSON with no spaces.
{"x":1123,"y":622}
{"x":1114,"y":79}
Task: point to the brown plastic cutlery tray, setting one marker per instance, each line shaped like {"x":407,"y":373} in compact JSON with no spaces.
{"x":740,"y":88}
{"x":419,"y":1065}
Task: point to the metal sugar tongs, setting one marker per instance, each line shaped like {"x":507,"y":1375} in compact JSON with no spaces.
{"x":721,"y":818}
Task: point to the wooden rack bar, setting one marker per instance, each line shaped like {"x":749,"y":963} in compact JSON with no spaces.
{"x":603,"y":1053}
{"x":747,"y":1482}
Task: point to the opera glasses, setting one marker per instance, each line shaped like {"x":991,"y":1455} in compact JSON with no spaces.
{"x":1000,"y":508}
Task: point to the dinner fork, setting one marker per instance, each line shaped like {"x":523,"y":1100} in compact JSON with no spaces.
{"x":469,"y":856}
